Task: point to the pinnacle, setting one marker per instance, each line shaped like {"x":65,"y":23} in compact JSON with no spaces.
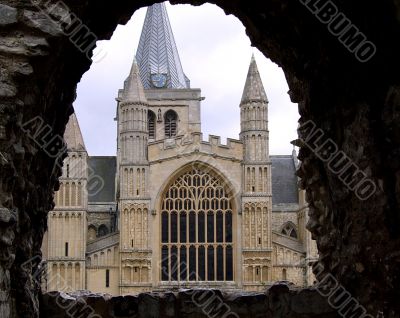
{"x":133,"y":88}
{"x":254,"y":90}
{"x":73,"y":135}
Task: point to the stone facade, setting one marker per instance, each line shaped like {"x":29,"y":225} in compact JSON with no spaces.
{"x":253,"y":234}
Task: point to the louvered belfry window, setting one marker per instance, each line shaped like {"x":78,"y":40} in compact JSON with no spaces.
{"x":151,"y":125}
{"x":170,"y":124}
{"x":196,"y":229}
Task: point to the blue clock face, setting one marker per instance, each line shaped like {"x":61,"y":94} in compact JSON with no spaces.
{"x":159,"y":80}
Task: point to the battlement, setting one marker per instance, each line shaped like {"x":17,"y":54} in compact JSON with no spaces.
{"x":193,"y":143}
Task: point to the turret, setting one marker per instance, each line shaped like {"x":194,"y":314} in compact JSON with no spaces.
{"x":254,"y":131}
{"x":132,"y":114}
{"x":256,"y":189}
{"x":65,"y":239}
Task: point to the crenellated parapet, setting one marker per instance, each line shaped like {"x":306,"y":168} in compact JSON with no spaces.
{"x":188,"y":144}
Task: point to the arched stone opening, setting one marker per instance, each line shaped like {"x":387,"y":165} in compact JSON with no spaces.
{"x":197,"y":215}
{"x":102,"y":230}
{"x":289,"y":229}
{"x":92,"y":232}
{"x":355,"y":104}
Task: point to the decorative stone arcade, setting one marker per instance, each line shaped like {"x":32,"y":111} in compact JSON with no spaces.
{"x":355,"y":104}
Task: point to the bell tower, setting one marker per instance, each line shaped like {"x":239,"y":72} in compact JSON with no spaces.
{"x":256,"y":185}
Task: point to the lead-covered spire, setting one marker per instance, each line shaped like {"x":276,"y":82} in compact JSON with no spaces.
{"x":157,"y":54}
{"x":253,"y":90}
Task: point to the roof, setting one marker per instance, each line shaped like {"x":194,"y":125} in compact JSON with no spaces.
{"x":284,"y":180}
{"x":157,"y":52}
{"x":253,"y":89}
{"x":101,"y":180}
{"x":73,"y":135}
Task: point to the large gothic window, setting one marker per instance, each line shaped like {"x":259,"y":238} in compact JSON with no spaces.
{"x":151,"y":124}
{"x":170,"y":121}
{"x":196,"y":229}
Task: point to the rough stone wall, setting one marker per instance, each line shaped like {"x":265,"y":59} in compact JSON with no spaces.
{"x":279,"y":218}
{"x":278,"y":301}
{"x":29,"y":78}
{"x":356,"y":104}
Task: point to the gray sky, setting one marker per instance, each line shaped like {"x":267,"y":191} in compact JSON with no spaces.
{"x":215,"y":53}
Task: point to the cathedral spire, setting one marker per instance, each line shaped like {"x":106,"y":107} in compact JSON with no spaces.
{"x":73,"y":135}
{"x":253,"y":89}
{"x":133,"y":88}
{"x":157,"y":54}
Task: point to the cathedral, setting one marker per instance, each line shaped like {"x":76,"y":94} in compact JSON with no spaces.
{"x":172,"y":210}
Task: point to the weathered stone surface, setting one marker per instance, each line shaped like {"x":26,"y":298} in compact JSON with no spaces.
{"x":8,"y":15}
{"x":192,"y":304}
{"x":355,"y":104}
{"x":42,"y":22}
{"x":306,"y":301}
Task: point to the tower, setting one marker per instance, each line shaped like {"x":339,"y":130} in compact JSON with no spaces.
{"x":256,"y":185}
{"x":133,"y":201}
{"x":157,"y":107}
{"x":174,"y":107}
{"x":67,"y":223}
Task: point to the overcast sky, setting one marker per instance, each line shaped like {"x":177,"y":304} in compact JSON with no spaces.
{"x":215,"y":53}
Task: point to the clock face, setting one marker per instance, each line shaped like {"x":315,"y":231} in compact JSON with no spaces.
{"x":159,"y":80}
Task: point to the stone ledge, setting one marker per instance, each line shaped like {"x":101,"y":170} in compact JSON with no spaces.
{"x":279,"y":300}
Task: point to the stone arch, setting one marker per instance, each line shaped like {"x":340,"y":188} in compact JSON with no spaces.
{"x":284,"y":274}
{"x":289,"y":229}
{"x":197,"y":181}
{"x":363,"y":113}
{"x":102,"y":230}
{"x":92,"y":232}
{"x":171,"y":120}
{"x":151,"y":124}
{"x":187,"y":167}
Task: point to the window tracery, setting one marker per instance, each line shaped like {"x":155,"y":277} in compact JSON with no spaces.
{"x":196,"y":230}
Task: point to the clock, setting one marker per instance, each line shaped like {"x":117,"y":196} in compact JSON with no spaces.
{"x":159,"y":80}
